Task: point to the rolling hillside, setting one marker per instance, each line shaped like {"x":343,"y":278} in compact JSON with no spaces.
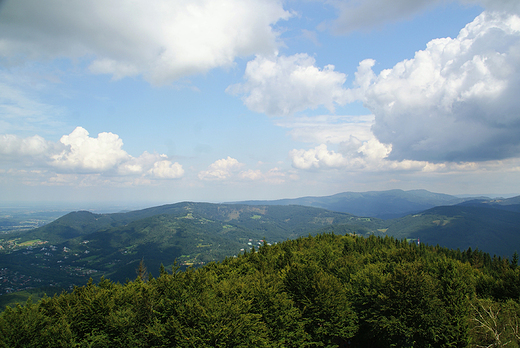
{"x":81,"y":244}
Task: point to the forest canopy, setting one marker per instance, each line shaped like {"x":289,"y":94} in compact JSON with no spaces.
{"x":323,"y":291}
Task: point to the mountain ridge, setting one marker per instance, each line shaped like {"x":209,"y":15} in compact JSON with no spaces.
{"x":83,"y":244}
{"x":386,"y":205}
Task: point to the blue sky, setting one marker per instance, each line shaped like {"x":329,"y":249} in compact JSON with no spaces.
{"x":220,"y":100}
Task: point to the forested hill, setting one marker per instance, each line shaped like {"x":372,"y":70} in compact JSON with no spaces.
{"x":511,"y":204}
{"x":324,"y":291}
{"x":389,"y":204}
{"x":277,"y":222}
{"x":81,"y":244}
{"x":493,"y":230}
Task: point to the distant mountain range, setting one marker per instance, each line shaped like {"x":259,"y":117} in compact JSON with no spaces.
{"x":380,"y":204}
{"x":491,"y":225}
{"x":81,"y":244}
{"x":510,"y":204}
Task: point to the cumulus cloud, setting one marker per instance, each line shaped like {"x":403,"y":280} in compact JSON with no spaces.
{"x":91,"y":154}
{"x":80,"y":155}
{"x":221,"y":169}
{"x":252,"y":174}
{"x":357,"y":155}
{"x":357,"y":148}
{"x":167,"y":170}
{"x":166,"y":39}
{"x":139,"y":165}
{"x":151,"y":165}
{"x":511,"y":6}
{"x":281,"y":85}
{"x":457,"y":100}
{"x":319,"y":157}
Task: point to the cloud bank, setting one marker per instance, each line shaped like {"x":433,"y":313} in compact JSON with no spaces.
{"x":162,"y":40}
{"x":77,"y":153}
{"x":12,"y":146}
{"x":229,"y":169}
{"x":457,"y":100}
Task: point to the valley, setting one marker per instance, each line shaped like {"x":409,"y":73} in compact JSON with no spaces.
{"x":82,"y":245}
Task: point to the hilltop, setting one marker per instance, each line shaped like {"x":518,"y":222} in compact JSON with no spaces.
{"x":328,"y":290}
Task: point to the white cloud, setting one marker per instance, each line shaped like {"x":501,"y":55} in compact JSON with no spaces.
{"x":319,"y":157}
{"x":90,"y":154}
{"x":362,"y":156}
{"x":12,"y":145}
{"x":284,"y":85}
{"x":161,"y":39}
{"x":154,"y":165}
{"x":272,"y":176}
{"x":332,"y":129}
{"x":252,"y":174}
{"x":457,"y":100}
{"x":79,"y":157}
{"x":166,"y":170}
{"x":221,"y":169}
{"x":372,"y":150}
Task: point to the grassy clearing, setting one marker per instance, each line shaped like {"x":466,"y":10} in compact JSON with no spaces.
{"x":31,"y":243}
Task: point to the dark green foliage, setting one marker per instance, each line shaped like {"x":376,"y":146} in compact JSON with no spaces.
{"x":323,"y":291}
{"x":80,"y":245}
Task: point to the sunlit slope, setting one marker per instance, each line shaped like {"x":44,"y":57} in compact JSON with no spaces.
{"x":83,"y":244}
{"x":278,"y":221}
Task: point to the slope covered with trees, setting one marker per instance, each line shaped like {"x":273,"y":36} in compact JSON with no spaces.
{"x":82,"y":244}
{"x":389,"y":204}
{"x":493,"y":230}
{"x":324,"y":291}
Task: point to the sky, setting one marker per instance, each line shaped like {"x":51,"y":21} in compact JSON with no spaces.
{"x":158,"y":101}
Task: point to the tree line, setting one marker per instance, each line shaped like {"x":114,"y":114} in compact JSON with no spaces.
{"x":323,"y":291}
